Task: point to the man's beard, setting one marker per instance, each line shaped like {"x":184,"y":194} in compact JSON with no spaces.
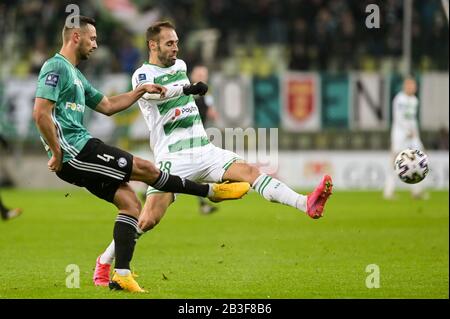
{"x":166,"y":61}
{"x":83,"y":55}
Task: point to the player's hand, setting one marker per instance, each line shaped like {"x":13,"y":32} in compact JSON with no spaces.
{"x":198,"y":88}
{"x":55,"y":163}
{"x":155,"y":89}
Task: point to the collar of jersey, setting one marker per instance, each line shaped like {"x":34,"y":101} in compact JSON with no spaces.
{"x":162,"y":67}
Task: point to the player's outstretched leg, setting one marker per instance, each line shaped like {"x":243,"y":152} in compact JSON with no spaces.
{"x":154,"y":209}
{"x":125,"y":233}
{"x":148,"y":173}
{"x":274,"y":190}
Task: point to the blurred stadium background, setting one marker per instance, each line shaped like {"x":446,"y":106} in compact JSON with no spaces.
{"x":310,"y":68}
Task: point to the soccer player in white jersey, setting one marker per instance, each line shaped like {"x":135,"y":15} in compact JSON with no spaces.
{"x":181,"y":146}
{"x":404,"y":132}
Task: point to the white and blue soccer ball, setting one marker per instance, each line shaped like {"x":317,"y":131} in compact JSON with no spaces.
{"x":411,"y":166}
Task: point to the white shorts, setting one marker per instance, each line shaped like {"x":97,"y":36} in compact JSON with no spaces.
{"x":400,"y":142}
{"x":205,"y":164}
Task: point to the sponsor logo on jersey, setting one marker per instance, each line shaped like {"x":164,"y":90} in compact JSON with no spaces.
{"x":78,"y":83}
{"x":183,"y":110}
{"x":177,"y":113}
{"x":142,"y":77}
{"x":52,"y":79}
{"x":75,"y":107}
{"x":188,"y":109}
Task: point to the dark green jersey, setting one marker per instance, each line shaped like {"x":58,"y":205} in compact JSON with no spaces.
{"x":63,"y":83}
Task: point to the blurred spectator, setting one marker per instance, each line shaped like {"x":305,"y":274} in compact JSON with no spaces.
{"x":127,"y":54}
{"x":317,"y":34}
{"x":300,"y":39}
{"x":38,"y":55}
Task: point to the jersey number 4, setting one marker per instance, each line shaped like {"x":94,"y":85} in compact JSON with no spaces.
{"x":105,"y":157}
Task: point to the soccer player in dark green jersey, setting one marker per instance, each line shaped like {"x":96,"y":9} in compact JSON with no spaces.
{"x":62,"y":95}
{"x":5,"y":212}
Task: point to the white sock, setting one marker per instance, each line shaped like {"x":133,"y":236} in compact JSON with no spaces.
{"x":276,"y":191}
{"x":389,"y":186}
{"x":108,"y":255}
{"x":123,"y":272}
{"x":211,"y":191}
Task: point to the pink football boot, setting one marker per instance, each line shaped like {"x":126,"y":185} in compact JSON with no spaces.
{"x":317,"y":199}
{"x":101,"y":273}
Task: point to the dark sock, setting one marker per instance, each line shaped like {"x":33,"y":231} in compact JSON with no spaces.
{"x":125,"y":235}
{"x":174,"y":184}
{"x":3,"y":209}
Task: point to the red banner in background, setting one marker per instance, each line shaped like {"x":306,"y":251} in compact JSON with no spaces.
{"x":301,"y":103}
{"x":300,"y":99}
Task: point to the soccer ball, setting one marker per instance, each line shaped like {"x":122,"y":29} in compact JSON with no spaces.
{"x":411,"y":166}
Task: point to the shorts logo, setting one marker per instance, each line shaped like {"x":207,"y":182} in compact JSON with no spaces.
{"x":52,"y":79}
{"x":122,"y":162}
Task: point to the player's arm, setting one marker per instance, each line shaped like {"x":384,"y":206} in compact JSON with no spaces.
{"x":42,"y":116}
{"x":198,"y":88}
{"x":114,"y":104}
{"x":171,"y":91}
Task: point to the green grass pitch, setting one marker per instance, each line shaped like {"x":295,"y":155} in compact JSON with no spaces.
{"x":248,"y":249}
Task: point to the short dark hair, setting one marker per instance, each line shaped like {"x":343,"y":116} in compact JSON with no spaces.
{"x":154,"y":30}
{"x":83,"y":21}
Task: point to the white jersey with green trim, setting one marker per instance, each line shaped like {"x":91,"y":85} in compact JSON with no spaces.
{"x":404,"y":113}
{"x":405,"y":126}
{"x":174,"y":121}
